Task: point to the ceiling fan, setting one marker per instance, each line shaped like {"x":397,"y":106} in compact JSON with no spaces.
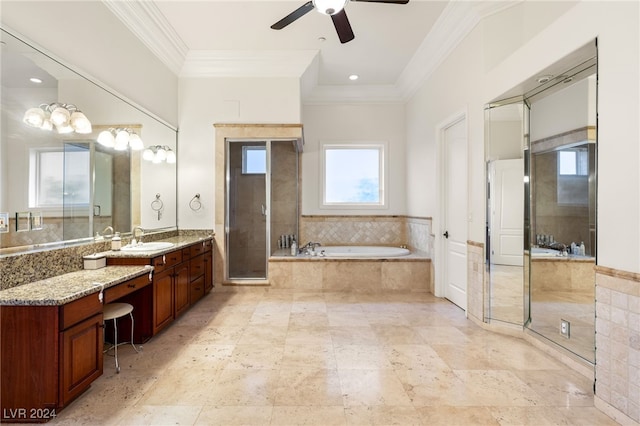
{"x":333,"y":8}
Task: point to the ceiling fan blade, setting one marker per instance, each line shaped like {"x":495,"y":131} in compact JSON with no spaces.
{"x":343,"y":27}
{"x":296,"y":14}
{"x":386,"y":1}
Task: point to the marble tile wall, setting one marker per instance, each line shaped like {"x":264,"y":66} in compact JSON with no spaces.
{"x":351,"y":275}
{"x":475,"y":280}
{"x":618,"y":343}
{"x":368,"y":230}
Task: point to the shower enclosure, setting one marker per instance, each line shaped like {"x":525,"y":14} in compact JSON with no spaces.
{"x":261,"y":200}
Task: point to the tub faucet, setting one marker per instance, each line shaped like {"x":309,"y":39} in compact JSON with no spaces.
{"x":133,"y":235}
{"x":310,"y":247}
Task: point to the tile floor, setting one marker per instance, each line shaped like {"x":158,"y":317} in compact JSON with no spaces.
{"x":283,"y":358}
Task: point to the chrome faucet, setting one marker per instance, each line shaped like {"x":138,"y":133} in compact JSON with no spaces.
{"x":310,"y":247}
{"x":133,"y":235}
{"x":100,"y":235}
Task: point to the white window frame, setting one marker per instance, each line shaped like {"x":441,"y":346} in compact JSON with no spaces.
{"x":382,"y":174}
{"x":35,"y":180}
{"x":245,"y":150}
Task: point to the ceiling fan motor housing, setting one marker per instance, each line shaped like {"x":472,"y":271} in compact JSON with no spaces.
{"x":329,"y":7}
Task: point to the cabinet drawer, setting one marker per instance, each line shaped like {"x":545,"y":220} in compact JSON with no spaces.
{"x":79,"y":310}
{"x":196,"y":289}
{"x":197,"y":267}
{"x":208,"y":245}
{"x":116,"y":292}
{"x":168,"y":260}
{"x":197,"y":249}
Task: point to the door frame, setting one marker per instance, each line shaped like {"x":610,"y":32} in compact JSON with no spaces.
{"x":439,"y":224}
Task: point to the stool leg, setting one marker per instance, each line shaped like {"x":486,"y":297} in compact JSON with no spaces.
{"x":132,"y":344}
{"x":115,"y":338}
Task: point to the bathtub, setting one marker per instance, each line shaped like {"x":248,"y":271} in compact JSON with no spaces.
{"x":350,"y":252}
{"x":544,"y":252}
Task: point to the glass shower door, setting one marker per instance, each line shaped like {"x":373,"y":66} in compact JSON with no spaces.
{"x":247,"y":214}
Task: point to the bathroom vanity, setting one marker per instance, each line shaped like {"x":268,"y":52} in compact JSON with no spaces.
{"x":52,"y":330}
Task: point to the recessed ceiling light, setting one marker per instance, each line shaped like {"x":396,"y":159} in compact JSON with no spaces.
{"x":544,"y":78}
{"x":35,"y":80}
{"x":353,"y":77}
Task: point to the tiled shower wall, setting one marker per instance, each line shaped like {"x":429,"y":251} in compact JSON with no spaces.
{"x":328,"y":230}
{"x":618,"y":341}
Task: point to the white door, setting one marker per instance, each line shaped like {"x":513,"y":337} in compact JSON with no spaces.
{"x":455,"y":215}
{"x":507,"y":210}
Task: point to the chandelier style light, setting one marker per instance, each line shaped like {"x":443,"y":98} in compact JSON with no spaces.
{"x":66,"y":118}
{"x":120,"y":139}
{"x":329,"y":7}
{"x":158,"y":154}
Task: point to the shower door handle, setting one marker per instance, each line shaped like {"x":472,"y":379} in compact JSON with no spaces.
{"x":264,"y":210}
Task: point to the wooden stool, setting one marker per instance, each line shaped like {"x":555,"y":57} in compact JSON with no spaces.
{"x":114,"y":311}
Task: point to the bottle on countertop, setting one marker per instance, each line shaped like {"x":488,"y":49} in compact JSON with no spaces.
{"x":574,"y":248}
{"x":116,"y":242}
{"x":582,"y":249}
{"x":294,"y":247}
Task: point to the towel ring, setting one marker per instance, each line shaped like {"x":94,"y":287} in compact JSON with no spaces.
{"x":157,"y":204}
{"x":195,"y":204}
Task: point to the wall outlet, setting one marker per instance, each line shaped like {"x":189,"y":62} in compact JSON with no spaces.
{"x":565,"y":327}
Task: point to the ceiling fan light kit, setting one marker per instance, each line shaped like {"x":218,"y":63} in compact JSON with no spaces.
{"x":333,"y":8}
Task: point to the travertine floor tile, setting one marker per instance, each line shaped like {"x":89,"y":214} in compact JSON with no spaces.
{"x":264,"y":357}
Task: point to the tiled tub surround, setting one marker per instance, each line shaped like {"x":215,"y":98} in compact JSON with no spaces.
{"x":414,"y":232}
{"x":618,"y":344}
{"x":35,"y":264}
{"x":406,"y":273}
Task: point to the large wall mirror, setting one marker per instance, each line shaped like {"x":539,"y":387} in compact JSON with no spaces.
{"x":541,"y":158}
{"x":69,"y":186}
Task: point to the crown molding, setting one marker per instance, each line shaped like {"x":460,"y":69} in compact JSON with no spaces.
{"x":262,"y":63}
{"x":147,"y":22}
{"x":457,"y":20}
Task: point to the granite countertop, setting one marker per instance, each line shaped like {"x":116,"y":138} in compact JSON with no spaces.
{"x":66,"y":288}
{"x":179,"y":242}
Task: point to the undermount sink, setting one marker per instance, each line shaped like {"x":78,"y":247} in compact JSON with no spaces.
{"x":151,"y":246}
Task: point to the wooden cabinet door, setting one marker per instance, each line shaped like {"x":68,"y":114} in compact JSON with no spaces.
{"x":163,"y":299}
{"x":208,"y":271}
{"x":182,"y":280}
{"x":80,"y":357}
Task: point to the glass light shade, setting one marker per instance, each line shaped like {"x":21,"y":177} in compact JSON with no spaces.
{"x":171,"y":157}
{"x":156,"y":159}
{"x":147,"y":154}
{"x":64,"y":128}
{"x":34,"y":117}
{"x":329,"y":7}
{"x":161,"y":154}
{"x":47,"y":124}
{"x":80,"y":122}
{"x":135,"y":142}
{"x":105,"y":138}
{"x":60,"y":116}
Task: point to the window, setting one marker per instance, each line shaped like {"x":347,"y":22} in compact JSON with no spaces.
{"x":573,"y":162}
{"x":353,"y":175}
{"x":58,"y":177}
{"x":254,"y":160}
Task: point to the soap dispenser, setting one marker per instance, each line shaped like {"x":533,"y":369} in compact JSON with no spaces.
{"x":116,"y":242}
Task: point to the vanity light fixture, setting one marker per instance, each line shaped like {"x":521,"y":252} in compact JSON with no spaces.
{"x":159,"y":153}
{"x":66,"y":118}
{"x":120,"y":139}
{"x":353,"y":77}
{"x":329,"y":7}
